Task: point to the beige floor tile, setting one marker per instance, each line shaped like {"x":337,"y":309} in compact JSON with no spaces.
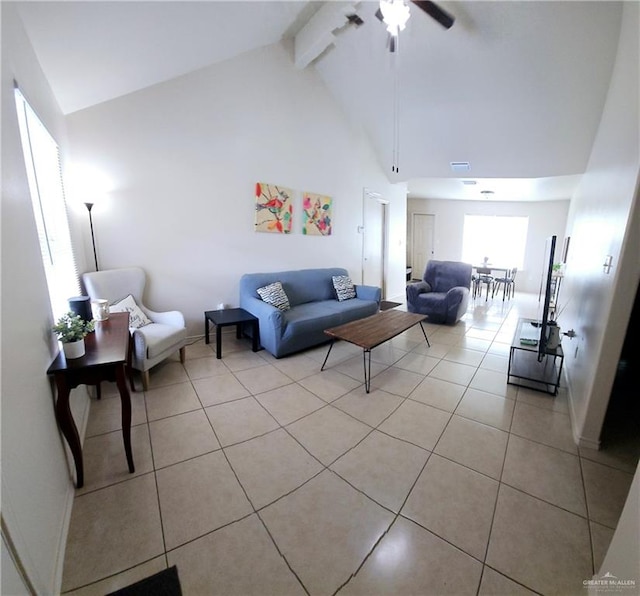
{"x":435,"y":350}
{"x":325,"y":529}
{"x":410,"y":561}
{"x":387,"y":354}
{"x":600,"y":540}
{"x":199,"y":349}
{"x":181,"y":437}
{"x":417,"y":423}
{"x":474,"y":343}
{"x":289,"y":403}
{"x":122,"y":580}
{"x":240,"y":420}
{"x":111,"y":530}
{"x":371,"y":408}
{"x":105,"y":460}
{"x":455,"y":503}
{"x":478,"y":333}
{"x":397,"y":381}
{"x":383,"y":468}
{"x":543,"y":426}
{"x":167,"y":372}
{"x":329,"y":384}
{"x":271,"y":466}
{"x":492,"y":382}
{"x":199,"y":368}
{"x":545,"y":472}
{"x":496,"y":584}
{"x":475,"y":445}
{"x":297,"y":366}
{"x":607,"y":490}
{"x":499,"y":364}
{"x":237,"y":560}
{"x":262,"y":378}
{"x":328,"y":433}
{"x":453,"y":372}
{"x":487,"y":408}
{"x":417,"y":363}
{"x":198,"y":496}
{"x":171,"y":400}
{"x":219,"y":389}
{"x":539,"y":545}
{"x":439,"y":394}
{"x":106,"y":413}
{"x":622,"y":454}
{"x":403,"y":342}
{"x":237,"y":361}
{"x":354,"y":367}
{"x":464,"y":356}
{"x":557,"y":403}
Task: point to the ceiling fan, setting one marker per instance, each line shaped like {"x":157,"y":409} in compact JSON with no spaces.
{"x":395,"y":14}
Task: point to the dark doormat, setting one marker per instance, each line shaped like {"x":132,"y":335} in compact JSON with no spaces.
{"x":387,"y":304}
{"x":164,"y":583}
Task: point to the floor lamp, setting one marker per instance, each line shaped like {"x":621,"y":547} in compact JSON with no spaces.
{"x":89,"y":206}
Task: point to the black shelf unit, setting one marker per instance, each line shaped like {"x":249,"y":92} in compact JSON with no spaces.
{"x":525,"y":370}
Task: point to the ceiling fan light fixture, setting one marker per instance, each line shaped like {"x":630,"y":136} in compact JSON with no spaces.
{"x":395,"y":14}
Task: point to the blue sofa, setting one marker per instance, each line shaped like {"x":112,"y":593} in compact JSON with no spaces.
{"x":314,"y":307}
{"x":443,"y":294}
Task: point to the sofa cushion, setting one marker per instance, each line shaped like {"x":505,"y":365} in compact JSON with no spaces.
{"x":275,"y":295}
{"x":137,"y":318}
{"x":345,"y":290}
{"x":312,"y":316}
{"x":158,"y":338}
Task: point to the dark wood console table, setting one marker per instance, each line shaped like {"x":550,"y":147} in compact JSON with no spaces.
{"x":106,"y":358}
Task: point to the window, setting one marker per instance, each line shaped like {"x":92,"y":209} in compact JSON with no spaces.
{"x":500,"y":238}
{"x":42,"y":160}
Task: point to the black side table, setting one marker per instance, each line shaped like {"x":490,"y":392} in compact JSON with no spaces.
{"x":231,"y":316}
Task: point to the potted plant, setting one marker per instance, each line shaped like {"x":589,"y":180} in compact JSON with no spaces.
{"x":71,"y":330}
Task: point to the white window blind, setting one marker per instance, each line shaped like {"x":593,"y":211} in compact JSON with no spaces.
{"x":501,"y":238}
{"x":42,"y":160}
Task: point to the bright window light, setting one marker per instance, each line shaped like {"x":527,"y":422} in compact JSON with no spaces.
{"x":42,"y":160}
{"x":502,"y":239}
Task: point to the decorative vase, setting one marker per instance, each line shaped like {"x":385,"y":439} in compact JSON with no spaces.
{"x":73,"y":349}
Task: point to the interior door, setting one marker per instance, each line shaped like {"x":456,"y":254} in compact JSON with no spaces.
{"x":422,"y":233}
{"x":374,"y":240}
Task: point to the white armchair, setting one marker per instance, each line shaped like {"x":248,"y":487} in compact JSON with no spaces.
{"x":152,"y":343}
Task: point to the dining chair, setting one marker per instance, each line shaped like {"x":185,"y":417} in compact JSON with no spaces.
{"x":483,"y":277}
{"x":508,"y":283}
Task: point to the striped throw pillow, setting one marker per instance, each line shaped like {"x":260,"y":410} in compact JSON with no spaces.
{"x":275,"y":295}
{"x":344,"y":287}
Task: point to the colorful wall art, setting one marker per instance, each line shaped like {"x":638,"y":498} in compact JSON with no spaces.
{"x":316,"y":214}
{"x":274,"y":208}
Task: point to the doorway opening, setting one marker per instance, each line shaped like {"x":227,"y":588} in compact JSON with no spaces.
{"x":374,"y":240}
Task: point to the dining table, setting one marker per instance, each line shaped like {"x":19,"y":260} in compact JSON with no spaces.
{"x":495,"y":271}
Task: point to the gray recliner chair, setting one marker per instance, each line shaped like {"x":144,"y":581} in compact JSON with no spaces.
{"x":443,"y":294}
{"x":152,"y":343}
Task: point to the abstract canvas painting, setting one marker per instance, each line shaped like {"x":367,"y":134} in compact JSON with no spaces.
{"x":274,"y":208}
{"x":316,"y":214}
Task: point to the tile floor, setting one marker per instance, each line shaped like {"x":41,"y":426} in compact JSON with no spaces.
{"x":264,"y":476}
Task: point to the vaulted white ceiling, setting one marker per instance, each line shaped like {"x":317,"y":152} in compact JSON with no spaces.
{"x":514,"y":88}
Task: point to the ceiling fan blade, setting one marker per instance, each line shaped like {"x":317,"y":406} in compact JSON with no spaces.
{"x":435,"y":12}
{"x":379,"y":16}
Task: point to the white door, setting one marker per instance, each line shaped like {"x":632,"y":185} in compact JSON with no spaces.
{"x":374,"y":240}
{"x":422,"y":243}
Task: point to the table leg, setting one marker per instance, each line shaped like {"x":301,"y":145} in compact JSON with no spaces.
{"x":255,"y":346}
{"x":206,"y":330}
{"x":367,"y":376}
{"x":125,"y":400}
{"x":68,"y":426}
{"x":327,"y":356}
{"x":239,"y":331}
{"x":218,"y":342}
{"x":425,"y":334}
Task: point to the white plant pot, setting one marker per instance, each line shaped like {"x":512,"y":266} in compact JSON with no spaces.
{"x":73,"y":349}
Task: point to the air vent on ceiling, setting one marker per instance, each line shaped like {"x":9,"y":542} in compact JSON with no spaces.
{"x":469,"y":182}
{"x":460,"y":166}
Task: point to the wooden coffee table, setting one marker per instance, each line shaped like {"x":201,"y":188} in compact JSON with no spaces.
{"x":372,"y":331}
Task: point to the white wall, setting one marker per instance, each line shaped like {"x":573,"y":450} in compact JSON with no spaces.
{"x":184,"y":157}
{"x":546,"y":218}
{"x":36,"y":488}
{"x":603,"y":220}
